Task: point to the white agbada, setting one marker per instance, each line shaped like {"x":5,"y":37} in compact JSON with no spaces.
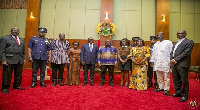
{"x":161,"y":55}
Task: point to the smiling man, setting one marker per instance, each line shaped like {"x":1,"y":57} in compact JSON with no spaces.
{"x":180,"y":61}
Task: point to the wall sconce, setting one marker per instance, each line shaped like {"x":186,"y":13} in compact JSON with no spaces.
{"x":163,"y":17}
{"x":31,"y":15}
{"x":106,"y":17}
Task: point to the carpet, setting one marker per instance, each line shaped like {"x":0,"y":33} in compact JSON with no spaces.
{"x":94,"y":97}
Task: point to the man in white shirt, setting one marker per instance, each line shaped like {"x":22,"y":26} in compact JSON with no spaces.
{"x":161,"y":63}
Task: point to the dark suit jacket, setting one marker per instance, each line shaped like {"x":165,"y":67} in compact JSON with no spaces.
{"x":10,"y":51}
{"x":182,"y":55}
{"x":87,"y":56}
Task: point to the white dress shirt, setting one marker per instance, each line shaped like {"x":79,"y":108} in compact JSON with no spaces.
{"x":17,"y":39}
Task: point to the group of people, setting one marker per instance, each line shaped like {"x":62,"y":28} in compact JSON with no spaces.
{"x":142,"y":61}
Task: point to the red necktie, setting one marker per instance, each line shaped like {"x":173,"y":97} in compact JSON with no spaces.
{"x":16,"y":40}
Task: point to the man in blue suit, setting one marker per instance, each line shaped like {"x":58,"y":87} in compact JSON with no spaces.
{"x":88,"y":59}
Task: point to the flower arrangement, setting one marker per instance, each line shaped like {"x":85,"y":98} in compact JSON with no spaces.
{"x":106,"y":29}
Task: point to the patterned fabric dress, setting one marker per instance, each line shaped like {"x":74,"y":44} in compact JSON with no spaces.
{"x":73,"y":77}
{"x":138,"y":79}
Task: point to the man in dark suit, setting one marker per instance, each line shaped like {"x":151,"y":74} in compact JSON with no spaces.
{"x":89,"y":53}
{"x":180,"y":60}
{"x":12,"y":57}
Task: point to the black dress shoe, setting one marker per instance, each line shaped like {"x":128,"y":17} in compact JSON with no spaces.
{"x":183,"y":99}
{"x":102,"y":83}
{"x":84,"y":83}
{"x":91,"y":83}
{"x":155,"y":85}
{"x":33,"y":85}
{"x":54,"y":84}
{"x":158,"y":89}
{"x":165,"y":92}
{"x":43,"y":84}
{"x":19,"y":88}
{"x":175,"y":95}
{"x":60,"y":83}
{"x":5,"y":91}
{"x":111,"y":84}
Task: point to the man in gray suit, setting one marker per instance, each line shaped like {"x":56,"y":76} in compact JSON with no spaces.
{"x":12,"y":57}
{"x":88,"y":59}
{"x":180,"y":60}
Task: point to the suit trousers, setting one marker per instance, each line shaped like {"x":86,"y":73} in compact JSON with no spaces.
{"x":163,"y":83}
{"x":7,"y":75}
{"x":60,"y":68}
{"x":86,"y":67}
{"x":36,"y":65}
{"x":110,"y":70}
{"x":180,"y":78}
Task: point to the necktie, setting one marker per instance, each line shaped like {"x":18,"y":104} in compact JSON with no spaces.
{"x":17,"y":41}
{"x":90,"y":48}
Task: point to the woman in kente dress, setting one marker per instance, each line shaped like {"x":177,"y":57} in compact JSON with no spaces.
{"x":139,"y":55}
{"x":73,"y":76}
{"x":124,"y":63}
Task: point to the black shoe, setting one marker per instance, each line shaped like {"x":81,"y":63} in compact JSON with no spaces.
{"x":54,"y":83}
{"x":19,"y":88}
{"x":175,"y":95}
{"x":84,"y":83}
{"x":155,"y":85}
{"x":149,"y":85}
{"x":5,"y":91}
{"x":43,"y":84}
{"x":165,"y":92}
{"x":102,"y":83}
{"x":158,"y":89}
{"x":33,"y":85}
{"x":91,"y":83}
{"x":60,"y":83}
{"x":111,"y":84}
{"x":183,"y":99}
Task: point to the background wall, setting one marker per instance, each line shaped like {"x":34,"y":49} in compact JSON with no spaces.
{"x":134,"y":18}
{"x":185,"y":14}
{"x":76,"y":18}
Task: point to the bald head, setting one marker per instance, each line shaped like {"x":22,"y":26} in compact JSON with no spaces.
{"x":90,"y":40}
{"x":14,"y":31}
{"x":160,"y":36}
{"x":181,"y":34}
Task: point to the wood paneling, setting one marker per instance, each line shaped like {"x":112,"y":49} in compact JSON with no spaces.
{"x":106,"y":7}
{"x":162,"y":8}
{"x":195,"y":56}
{"x":32,"y":24}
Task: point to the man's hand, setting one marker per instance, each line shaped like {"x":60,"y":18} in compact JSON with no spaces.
{"x":115,"y":63}
{"x":173,"y":62}
{"x":49,"y":60}
{"x":151,"y":64}
{"x":30,"y":59}
{"x":99,"y":63}
{"x":4,"y":63}
{"x":83,"y":63}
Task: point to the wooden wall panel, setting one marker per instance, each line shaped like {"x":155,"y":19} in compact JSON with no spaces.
{"x":162,"y":8}
{"x":32,"y":24}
